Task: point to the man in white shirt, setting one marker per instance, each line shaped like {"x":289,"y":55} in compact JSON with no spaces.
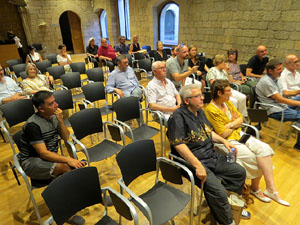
{"x":290,"y":78}
{"x":161,"y":92}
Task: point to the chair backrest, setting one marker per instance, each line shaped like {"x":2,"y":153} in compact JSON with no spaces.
{"x":167,"y":50}
{"x":43,"y":65}
{"x":17,"y":111}
{"x":152,"y":52}
{"x":147,"y":47}
{"x":127,"y":108}
{"x":56,"y":71}
{"x":13,"y":62}
{"x":94,"y":91}
{"x":86,"y":122}
{"x":38,"y":46}
{"x":95,"y":74}
{"x":145,"y":64}
{"x":71,"y":80}
{"x":72,"y":192}
{"x":243,"y":68}
{"x":78,"y":67}
{"x":19,"y":68}
{"x":23,"y":75}
{"x":52,"y":58}
{"x":209,"y":62}
{"x":136,"y":159}
{"x":139,"y":55}
{"x":64,"y":99}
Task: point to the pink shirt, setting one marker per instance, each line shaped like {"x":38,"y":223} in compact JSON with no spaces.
{"x":107,"y":52}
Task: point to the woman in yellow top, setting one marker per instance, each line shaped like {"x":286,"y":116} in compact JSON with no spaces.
{"x":35,"y":82}
{"x":254,"y":155}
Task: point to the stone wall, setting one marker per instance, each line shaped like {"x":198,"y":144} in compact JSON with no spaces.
{"x":214,"y":26}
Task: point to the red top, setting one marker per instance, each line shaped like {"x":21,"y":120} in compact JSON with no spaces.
{"x":107,"y":52}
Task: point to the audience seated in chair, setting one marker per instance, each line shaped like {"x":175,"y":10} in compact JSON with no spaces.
{"x":64,"y":59}
{"x":254,"y":155}
{"x":123,"y":80}
{"x":177,"y":68}
{"x":290,"y":78}
{"x":33,"y":56}
{"x":269,"y":90}
{"x":195,"y":61}
{"x":135,"y":46}
{"x":107,"y":53}
{"x":161,"y":92}
{"x":9,"y":90}
{"x":160,"y":54}
{"x":92,"y":52}
{"x":257,"y":63}
{"x":191,"y":137}
{"x":35,"y":82}
{"x":221,"y":71}
{"x":122,"y":47}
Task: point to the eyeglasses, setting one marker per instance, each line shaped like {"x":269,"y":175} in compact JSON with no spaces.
{"x":196,"y":96}
{"x":161,"y":68}
{"x":294,"y":62}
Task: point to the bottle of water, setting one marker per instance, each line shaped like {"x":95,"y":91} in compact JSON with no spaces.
{"x":231,"y":156}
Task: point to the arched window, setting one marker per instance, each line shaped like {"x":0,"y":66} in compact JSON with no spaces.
{"x":169,"y":24}
{"x":103,"y":24}
{"x":124,"y":18}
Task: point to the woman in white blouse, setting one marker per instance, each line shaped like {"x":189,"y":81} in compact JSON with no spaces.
{"x":63,"y":58}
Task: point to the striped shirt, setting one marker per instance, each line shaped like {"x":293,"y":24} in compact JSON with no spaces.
{"x":37,"y":130}
{"x":39,"y":83}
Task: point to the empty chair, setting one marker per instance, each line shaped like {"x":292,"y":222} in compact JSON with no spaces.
{"x":13,"y":113}
{"x":56,"y":72}
{"x":127,"y":109}
{"x":87,"y":122}
{"x":80,"y":188}
{"x":73,"y":82}
{"x":95,"y":74}
{"x":145,"y":65}
{"x":19,"y":68}
{"x":78,"y":67}
{"x":43,"y":65}
{"x":162,"y":202}
{"x":13,"y":62}
{"x":139,"y":55}
{"x":147,"y":47}
{"x":94,"y":92}
{"x":52,"y":58}
{"x":167,"y":50}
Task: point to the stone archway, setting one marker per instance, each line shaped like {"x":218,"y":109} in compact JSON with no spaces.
{"x":70,"y":26}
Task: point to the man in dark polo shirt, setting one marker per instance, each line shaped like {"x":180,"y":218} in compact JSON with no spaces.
{"x":122,"y":47}
{"x":257,"y":64}
{"x":38,"y":154}
{"x":191,"y":136}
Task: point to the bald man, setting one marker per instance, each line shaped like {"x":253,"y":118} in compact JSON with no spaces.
{"x":257,"y":64}
{"x":290,"y":77}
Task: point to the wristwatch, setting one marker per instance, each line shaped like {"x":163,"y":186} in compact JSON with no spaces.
{"x":231,"y":126}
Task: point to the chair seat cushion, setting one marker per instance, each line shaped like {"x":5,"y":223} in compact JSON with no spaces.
{"x":143,"y":132}
{"x":164,"y":201}
{"x":103,"y":150}
{"x":106,"y":220}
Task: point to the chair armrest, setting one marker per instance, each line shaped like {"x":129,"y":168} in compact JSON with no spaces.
{"x":136,"y":198}
{"x":76,"y":141}
{"x":254,"y":128}
{"x":127,"y":126}
{"x":238,"y":86}
{"x":73,"y":148}
{"x":88,"y":103}
{"x":271,"y":105}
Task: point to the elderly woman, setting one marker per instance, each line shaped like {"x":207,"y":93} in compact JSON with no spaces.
{"x":63,"y":58}
{"x":221,"y":71}
{"x":254,"y":155}
{"x":33,"y":56}
{"x":35,"y":82}
{"x":91,"y":51}
{"x":194,"y":61}
{"x":160,"y":54}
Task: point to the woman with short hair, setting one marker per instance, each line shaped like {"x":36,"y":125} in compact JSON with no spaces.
{"x":63,"y":58}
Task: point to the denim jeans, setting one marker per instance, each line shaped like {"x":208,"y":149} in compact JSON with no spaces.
{"x":297,"y":98}
{"x":289,"y":115}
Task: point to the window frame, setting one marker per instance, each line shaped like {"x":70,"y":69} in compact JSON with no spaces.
{"x":124,"y":18}
{"x":103,"y":24}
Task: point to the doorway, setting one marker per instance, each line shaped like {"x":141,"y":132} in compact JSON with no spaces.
{"x":70,"y":26}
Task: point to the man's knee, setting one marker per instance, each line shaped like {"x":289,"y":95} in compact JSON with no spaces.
{"x":61,"y":168}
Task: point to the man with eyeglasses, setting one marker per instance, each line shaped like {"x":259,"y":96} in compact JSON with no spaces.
{"x":290,"y":78}
{"x":9,"y":90}
{"x":177,"y":68}
{"x":122,"y":48}
{"x":161,"y":92}
{"x":257,"y":64}
{"x":191,"y":137}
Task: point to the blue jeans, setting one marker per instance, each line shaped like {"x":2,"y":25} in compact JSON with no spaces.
{"x":289,"y":115}
{"x":297,"y":98}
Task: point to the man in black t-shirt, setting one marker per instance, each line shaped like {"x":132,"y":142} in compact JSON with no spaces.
{"x":39,"y":144}
{"x":257,"y":64}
